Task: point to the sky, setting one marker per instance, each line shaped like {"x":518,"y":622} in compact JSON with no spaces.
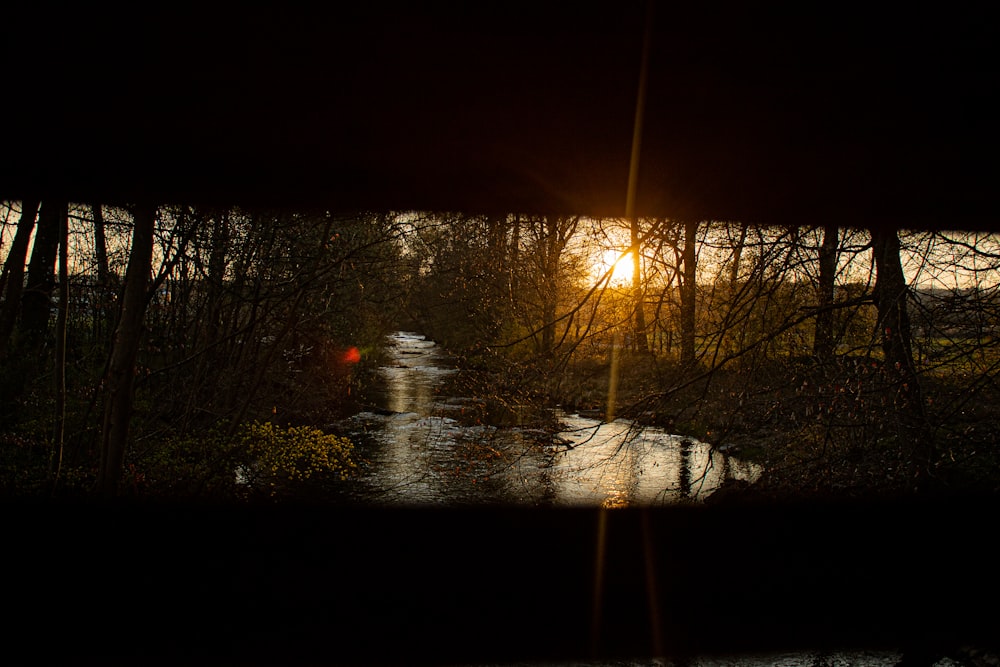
{"x":783,"y":115}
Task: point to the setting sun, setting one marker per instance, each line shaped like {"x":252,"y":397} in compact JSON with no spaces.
{"x":622,"y":271}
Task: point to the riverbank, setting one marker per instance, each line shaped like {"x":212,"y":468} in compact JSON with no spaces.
{"x":827,"y":432}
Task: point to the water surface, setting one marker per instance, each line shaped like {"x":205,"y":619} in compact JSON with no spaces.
{"x":421,"y":447}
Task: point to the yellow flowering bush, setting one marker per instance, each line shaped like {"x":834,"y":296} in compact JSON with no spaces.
{"x":276,"y":455}
{"x":261,"y":458}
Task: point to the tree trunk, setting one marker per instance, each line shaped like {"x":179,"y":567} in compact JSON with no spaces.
{"x":890,"y":299}
{"x":125,"y":347}
{"x":688,"y":293}
{"x":551,"y":289}
{"x":101,"y":247}
{"x":557,"y":231}
{"x":823,"y":342}
{"x":36,"y":301}
{"x":103,"y":310}
{"x":733,"y":342}
{"x":13,"y":272}
{"x":515,"y":261}
{"x":217,"y":262}
{"x":734,"y":269}
{"x":638,"y":293}
{"x":894,"y":328}
{"x":59,"y":432}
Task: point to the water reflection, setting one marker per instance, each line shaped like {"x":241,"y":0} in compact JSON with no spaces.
{"x":623,"y":463}
{"x":421,"y":449}
{"x":415,"y":374}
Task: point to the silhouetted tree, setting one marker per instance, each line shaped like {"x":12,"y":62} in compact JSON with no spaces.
{"x":891,"y":296}
{"x":120,"y":377}
{"x":13,"y":272}
{"x":823,"y":339}
{"x":36,"y":301}
{"x":689,"y":292}
{"x":551,"y":236}
{"x":638,"y":288}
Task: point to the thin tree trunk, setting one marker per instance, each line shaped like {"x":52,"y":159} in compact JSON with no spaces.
{"x":515,"y":259}
{"x":104,"y":312}
{"x":734,"y":342}
{"x":638,"y":293}
{"x":125,"y":347}
{"x":688,"y":293}
{"x":59,"y":435}
{"x":101,"y":247}
{"x":550,"y":276}
{"x":13,"y":272}
{"x":823,"y":343}
{"x":217,"y":274}
{"x":36,"y":301}
{"x":734,"y":270}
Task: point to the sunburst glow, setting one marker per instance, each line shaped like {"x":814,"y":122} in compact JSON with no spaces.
{"x":619,"y":264}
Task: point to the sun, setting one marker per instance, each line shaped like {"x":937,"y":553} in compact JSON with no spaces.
{"x":622,"y":267}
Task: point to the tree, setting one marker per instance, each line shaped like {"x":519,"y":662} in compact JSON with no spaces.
{"x":638,"y":288}
{"x":36,"y":301}
{"x":256,"y":310}
{"x":62,"y":320}
{"x":13,"y":272}
{"x":120,"y":376}
{"x":689,"y":292}
{"x":551,"y":236}
{"x":823,"y":339}
{"x":101,"y":246}
{"x":463,"y":277}
{"x":891,"y":294}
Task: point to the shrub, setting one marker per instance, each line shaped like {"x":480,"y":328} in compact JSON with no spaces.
{"x":274,"y":457}
{"x":260,"y":459}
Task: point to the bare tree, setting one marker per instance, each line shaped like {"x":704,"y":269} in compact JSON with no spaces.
{"x":121,"y":367}
{"x":36,"y":299}
{"x":13,"y":272}
{"x":59,"y":376}
{"x":891,"y":294}
{"x":550,"y":236}
{"x":101,"y":246}
{"x":823,"y":340}
{"x":688,"y":292}
{"x":638,"y":288}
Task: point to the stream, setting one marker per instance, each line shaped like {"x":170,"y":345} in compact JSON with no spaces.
{"x":418,"y":447}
